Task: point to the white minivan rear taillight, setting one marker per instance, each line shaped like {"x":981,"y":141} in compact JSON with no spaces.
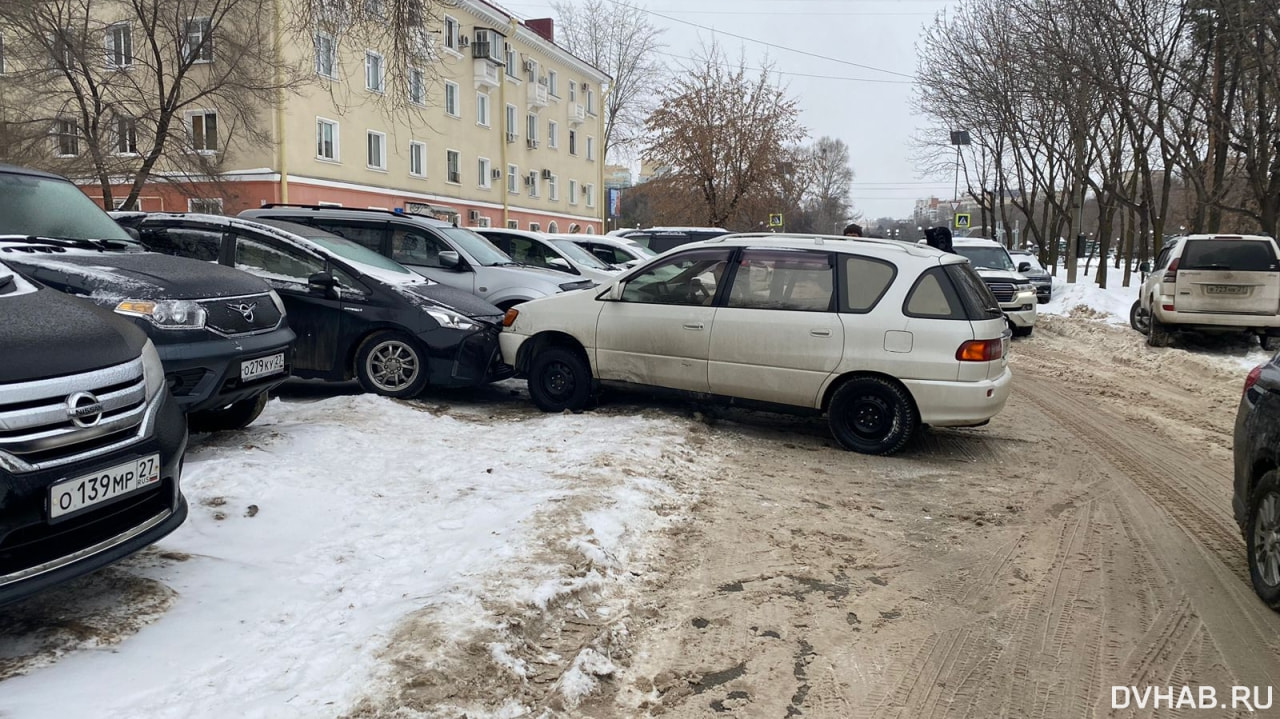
{"x":981,"y":350}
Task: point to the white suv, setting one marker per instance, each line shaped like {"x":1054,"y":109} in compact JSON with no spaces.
{"x":1014,"y":292}
{"x":880,"y":335}
{"x":1211,"y":283}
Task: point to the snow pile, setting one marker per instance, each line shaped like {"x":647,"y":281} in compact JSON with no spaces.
{"x":1085,"y":299}
{"x":318,"y":535}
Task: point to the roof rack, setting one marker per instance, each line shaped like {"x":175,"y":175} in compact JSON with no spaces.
{"x":273,"y":205}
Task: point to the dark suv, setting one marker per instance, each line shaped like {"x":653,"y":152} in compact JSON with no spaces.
{"x":91,"y":442}
{"x":437,"y":250}
{"x":661,"y":239}
{"x":221,"y":333}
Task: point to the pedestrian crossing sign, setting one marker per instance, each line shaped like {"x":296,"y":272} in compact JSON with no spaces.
{"x":962,"y":221}
{"x":775,"y":219}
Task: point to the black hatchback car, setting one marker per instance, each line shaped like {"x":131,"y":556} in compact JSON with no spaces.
{"x":356,"y":313}
{"x":1256,"y":496}
{"x":221,"y":334}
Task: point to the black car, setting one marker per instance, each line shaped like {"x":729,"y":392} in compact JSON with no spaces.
{"x":356,"y":313}
{"x":1256,"y":496}
{"x":91,"y":441}
{"x":221,"y":334}
{"x":661,"y":239}
{"x":1030,"y":268}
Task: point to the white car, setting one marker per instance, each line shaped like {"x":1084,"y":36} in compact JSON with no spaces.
{"x":616,"y":251}
{"x":1211,"y":283}
{"x":1016,"y":294}
{"x":881,"y":336}
{"x":539,"y":250}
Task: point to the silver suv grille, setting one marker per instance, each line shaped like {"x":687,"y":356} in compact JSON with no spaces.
{"x":53,"y":421}
{"x":246,"y":315}
{"x":1002,"y":290}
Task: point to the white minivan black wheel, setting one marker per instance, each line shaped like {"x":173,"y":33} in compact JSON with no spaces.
{"x":391,"y":365}
{"x":559,"y":379}
{"x":872,"y":415}
{"x":1262,"y":538}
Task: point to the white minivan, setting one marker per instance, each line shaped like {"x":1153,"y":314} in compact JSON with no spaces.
{"x":879,"y":335}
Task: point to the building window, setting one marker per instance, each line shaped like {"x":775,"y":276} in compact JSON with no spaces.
{"x":453,"y":161}
{"x":591,"y":147}
{"x":535,"y":227}
{"x":1,"y":54}
{"x":553,"y":189}
{"x":485,"y":168}
{"x":417,"y":87}
{"x":377,"y":150}
{"x":531,"y":129}
{"x":451,"y":98}
{"x":513,"y":182}
{"x":376,"y":8}
{"x":553,"y":228}
{"x":553,"y":134}
{"x":511,"y":124}
{"x":120,"y":45}
{"x":205,"y":205}
{"x":62,"y":53}
{"x":591,"y":101}
{"x":202,"y":128}
{"x":532,"y":182}
{"x":553,"y":83}
{"x":450,"y":33}
{"x":372,"y":71}
{"x":126,"y":135}
{"x":589,"y":194}
{"x":482,"y":109}
{"x":573,"y":192}
{"x":483,"y":221}
{"x":326,"y":56}
{"x":531,"y":69}
{"x":197,"y":45}
{"x":417,"y":159}
{"x":573,"y":91}
{"x":66,"y":138}
{"x":326,"y":139}
{"x":511,"y":60}
{"x":573,"y":142}
{"x":513,"y":224}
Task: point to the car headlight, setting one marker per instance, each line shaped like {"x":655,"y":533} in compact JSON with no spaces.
{"x":1024,"y":287}
{"x":166,"y":314}
{"x":275,"y":300}
{"x":452,"y":320}
{"x":152,"y":369}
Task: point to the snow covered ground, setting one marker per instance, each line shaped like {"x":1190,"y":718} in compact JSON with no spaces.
{"x":314,"y":535}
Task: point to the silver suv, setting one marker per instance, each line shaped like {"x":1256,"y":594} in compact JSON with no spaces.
{"x":443,"y":252}
{"x":1211,"y":283}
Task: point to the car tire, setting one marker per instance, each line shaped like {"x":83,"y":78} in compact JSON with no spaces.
{"x":872,"y":415}
{"x":1270,"y":343}
{"x":559,"y":380}
{"x":1262,"y":538}
{"x":1043,"y":300}
{"x":232,"y":417}
{"x":1023,"y":331}
{"x":1139,"y":319}
{"x":392,"y":365}
{"x":1158,"y":334}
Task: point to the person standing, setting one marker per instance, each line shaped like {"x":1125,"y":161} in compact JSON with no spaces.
{"x":853,"y":230}
{"x":940,"y":238}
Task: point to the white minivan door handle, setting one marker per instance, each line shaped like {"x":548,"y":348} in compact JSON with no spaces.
{"x":820,"y":333}
{"x":693,"y":325}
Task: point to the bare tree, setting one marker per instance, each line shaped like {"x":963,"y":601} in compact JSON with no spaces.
{"x":138,"y":89}
{"x":619,"y":39}
{"x":723,"y":133}
{"x":832,"y":183}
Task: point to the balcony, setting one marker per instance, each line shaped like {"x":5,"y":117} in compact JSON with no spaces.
{"x":577,"y":114}
{"x":538,"y":96}
{"x":487,"y":74}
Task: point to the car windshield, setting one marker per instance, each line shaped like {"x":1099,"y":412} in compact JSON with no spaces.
{"x":359,"y":254}
{"x":46,"y":207}
{"x":480,"y":249}
{"x":640,"y":249}
{"x":986,"y":258}
{"x":579,"y":255}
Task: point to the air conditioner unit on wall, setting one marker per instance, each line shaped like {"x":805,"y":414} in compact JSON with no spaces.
{"x":532,"y":144}
{"x":529,"y":65}
{"x":464,"y":41}
{"x":585,"y":87}
{"x":496,"y":174}
{"x":546,"y":174}
{"x":473,"y":214}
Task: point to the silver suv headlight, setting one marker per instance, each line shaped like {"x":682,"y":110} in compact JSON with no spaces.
{"x":152,"y":370}
{"x":452,"y":320}
{"x":166,"y":314}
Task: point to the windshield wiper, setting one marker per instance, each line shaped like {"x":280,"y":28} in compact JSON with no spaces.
{"x":80,"y":243}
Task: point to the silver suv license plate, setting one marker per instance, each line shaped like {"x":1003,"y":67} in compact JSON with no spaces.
{"x":75,"y":494}
{"x":1226,"y":290}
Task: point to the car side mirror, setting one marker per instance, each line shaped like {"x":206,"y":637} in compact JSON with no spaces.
{"x":1144,"y":268}
{"x":612,"y":294}
{"x":560,"y":263}
{"x":323,"y":283}
{"x":449,"y":259}
{"x":1024,"y":266}
{"x":132,"y":232}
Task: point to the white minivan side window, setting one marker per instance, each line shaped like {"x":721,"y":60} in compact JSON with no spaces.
{"x":784,"y":280}
{"x":689,"y":278}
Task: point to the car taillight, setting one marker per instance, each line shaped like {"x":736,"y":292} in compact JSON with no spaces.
{"x":980,"y":351}
{"x":1171,"y":274}
{"x":510,"y":317}
{"x":1252,"y":378}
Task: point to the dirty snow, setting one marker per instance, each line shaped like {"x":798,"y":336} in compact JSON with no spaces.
{"x":313,"y":534}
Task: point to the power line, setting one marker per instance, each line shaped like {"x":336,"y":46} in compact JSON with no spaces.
{"x":794,"y":74}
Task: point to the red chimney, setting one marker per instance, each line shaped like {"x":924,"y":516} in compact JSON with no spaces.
{"x":545,"y":27}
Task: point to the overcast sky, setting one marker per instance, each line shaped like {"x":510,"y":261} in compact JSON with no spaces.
{"x":874,"y":118}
